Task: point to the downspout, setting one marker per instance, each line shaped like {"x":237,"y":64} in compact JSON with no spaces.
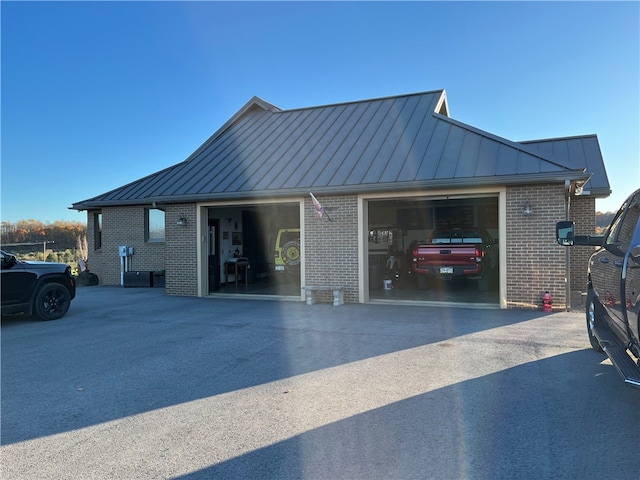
{"x":567,"y":250}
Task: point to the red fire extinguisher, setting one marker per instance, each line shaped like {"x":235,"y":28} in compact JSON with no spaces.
{"x":547,"y":301}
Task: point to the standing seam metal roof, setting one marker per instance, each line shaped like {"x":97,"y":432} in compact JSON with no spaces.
{"x":387,"y":143}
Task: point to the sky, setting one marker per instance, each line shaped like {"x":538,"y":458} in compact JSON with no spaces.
{"x":95,"y":95}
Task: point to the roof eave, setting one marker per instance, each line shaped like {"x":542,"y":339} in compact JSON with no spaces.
{"x":554,"y":177}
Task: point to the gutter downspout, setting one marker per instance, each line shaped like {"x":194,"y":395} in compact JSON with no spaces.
{"x":567,"y":251}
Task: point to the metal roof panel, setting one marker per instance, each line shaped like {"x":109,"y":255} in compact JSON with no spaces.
{"x":406,"y":143}
{"x":506,"y":160}
{"x":576,"y":153}
{"x":487,"y":163}
{"x":468,"y":158}
{"x":389,"y":134}
{"x":448,"y":161}
{"x":385,"y":143}
{"x":434,"y":150}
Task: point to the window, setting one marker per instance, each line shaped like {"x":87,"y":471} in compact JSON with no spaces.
{"x":617,"y":232}
{"x":627,"y":229}
{"x":154,"y":225}
{"x":97,"y":230}
{"x":623,"y":226}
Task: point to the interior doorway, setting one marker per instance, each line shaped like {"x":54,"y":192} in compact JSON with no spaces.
{"x":213,"y":254}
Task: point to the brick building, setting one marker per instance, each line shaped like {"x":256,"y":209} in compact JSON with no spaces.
{"x":387,"y":171}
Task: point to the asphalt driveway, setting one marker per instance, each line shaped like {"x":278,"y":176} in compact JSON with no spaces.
{"x":133,"y":384}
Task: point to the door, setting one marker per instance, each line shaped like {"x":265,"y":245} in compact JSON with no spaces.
{"x":17,"y":284}
{"x":608,"y":264}
{"x":213,"y":247}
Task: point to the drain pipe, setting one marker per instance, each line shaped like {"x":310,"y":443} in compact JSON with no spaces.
{"x":567,"y":251}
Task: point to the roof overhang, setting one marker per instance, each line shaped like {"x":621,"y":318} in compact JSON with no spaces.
{"x":576,"y":178}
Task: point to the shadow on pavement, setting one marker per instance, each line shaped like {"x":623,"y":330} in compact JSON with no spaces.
{"x":490,"y":427}
{"x":121,"y":352}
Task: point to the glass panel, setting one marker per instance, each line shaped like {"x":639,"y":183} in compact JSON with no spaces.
{"x":97,"y":231}
{"x":155,"y":225}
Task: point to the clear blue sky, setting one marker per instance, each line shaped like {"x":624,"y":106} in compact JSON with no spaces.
{"x":96,"y":95}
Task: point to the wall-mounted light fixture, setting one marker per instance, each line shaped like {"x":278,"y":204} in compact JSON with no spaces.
{"x":181,"y":221}
{"x":527,"y":209}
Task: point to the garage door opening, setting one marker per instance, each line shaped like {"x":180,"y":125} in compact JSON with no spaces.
{"x":254,"y":249}
{"x":456,"y":244}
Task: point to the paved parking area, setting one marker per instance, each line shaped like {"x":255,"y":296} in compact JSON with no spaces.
{"x":133,"y":384}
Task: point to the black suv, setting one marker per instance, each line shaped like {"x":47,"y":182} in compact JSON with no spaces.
{"x":43,"y":289}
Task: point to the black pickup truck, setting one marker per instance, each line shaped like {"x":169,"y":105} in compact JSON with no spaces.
{"x":613,"y":287}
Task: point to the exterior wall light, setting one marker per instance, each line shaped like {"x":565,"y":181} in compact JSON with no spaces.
{"x":527,"y":210}
{"x":181,"y":221}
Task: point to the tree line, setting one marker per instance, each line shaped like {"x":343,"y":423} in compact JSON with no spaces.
{"x":603,"y":220}
{"x":59,"y":235}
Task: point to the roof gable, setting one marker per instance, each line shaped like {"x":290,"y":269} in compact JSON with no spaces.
{"x":400,"y":142}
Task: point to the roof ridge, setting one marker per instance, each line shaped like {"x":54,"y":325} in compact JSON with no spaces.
{"x":376,"y":99}
{"x":555,"y":139}
{"x":233,"y":120}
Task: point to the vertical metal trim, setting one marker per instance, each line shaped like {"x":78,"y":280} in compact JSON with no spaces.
{"x":502,"y":245}
{"x":363,"y":253}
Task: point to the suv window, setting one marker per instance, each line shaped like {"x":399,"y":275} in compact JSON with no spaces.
{"x":287,"y":237}
{"x":623,"y":226}
{"x":7,"y":260}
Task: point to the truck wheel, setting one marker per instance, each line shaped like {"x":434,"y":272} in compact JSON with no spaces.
{"x":52,"y":301}
{"x":593,"y":319}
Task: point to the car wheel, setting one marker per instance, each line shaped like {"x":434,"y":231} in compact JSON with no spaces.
{"x":593,"y":319}
{"x":52,"y":301}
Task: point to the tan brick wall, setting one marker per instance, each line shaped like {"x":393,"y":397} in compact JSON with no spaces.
{"x":181,"y":250}
{"x":582,"y":211}
{"x":535,"y":261}
{"x":122,"y":226}
{"x":331,"y":248}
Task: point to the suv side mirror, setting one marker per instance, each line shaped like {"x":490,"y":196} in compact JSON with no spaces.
{"x":8,"y":261}
{"x":565,"y":235}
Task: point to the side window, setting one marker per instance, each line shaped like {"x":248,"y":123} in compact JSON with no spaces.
{"x":97,"y":230}
{"x":629,"y":222}
{"x":624,"y":224}
{"x":154,"y":225}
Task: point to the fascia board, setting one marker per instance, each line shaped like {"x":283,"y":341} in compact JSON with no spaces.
{"x":555,"y":177}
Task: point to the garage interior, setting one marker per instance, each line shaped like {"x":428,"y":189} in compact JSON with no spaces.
{"x":395,"y":226}
{"x":246,"y":254}
{"x":242,"y":249}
